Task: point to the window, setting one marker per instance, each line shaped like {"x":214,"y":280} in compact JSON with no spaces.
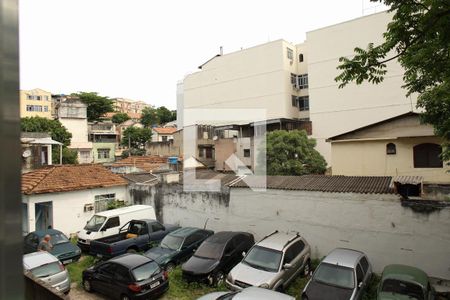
{"x":290,"y":53}
{"x":34,"y":108}
{"x":289,"y":255}
{"x":359,"y":274}
{"x":391,"y":149}
{"x":46,"y":108}
{"x":427,"y":156}
{"x":293,"y":251}
{"x":157,"y":227}
{"x":364,"y":264}
{"x":38,"y":98}
{"x":122,"y":274}
{"x":303,"y":103}
{"x":303,"y":81}
{"x":293,"y":79}
{"x":102,"y":201}
{"x":164,"y":138}
{"x":107,"y":268}
{"x":294,"y":101}
{"x":208,"y":152}
{"x":112,"y":222}
{"x":30,"y":97}
{"x":103,"y":153}
{"x":32,"y":240}
{"x":85,"y":154}
{"x":246,"y":152}
{"x":300,"y":57}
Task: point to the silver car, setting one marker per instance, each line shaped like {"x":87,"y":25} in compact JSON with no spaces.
{"x":251,"y":293}
{"x":49,"y":269}
{"x":272,"y":263}
{"x":344,"y":274}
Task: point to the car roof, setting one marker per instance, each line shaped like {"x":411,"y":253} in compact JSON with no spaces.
{"x":42,"y":233}
{"x":223,"y":236}
{"x":36,"y":259}
{"x":343,"y":257}
{"x":184,"y":231}
{"x":256,"y":293}
{"x":278,"y":240}
{"x":131,"y":260}
{"x":405,"y":273}
{"x":123,"y":210}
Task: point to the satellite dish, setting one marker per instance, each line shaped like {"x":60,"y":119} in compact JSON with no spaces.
{"x":26,"y":153}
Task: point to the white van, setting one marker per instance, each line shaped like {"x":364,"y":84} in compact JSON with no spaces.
{"x":107,"y":223}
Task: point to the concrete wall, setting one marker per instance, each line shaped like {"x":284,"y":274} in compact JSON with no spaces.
{"x":333,"y":110}
{"x":68,"y":207}
{"x":369,"y":158}
{"x":78,"y":128}
{"x":376,"y":224}
{"x":112,"y":150}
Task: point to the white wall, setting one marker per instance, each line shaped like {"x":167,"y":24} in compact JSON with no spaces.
{"x":68,"y":208}
{"x":375,"y":224}
{"x":78,"y":128}
{"x":333,"y":110}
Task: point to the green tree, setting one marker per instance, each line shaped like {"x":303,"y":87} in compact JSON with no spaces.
{"x":149,"y":117}
{"x":97,"y":105}
{"x":419,"y":38}
{"x":164,"y":115}
{"x":57,"y":132}
{"x":292,"y":153}
{"x":135,"y":137}
{"x":119,"y":118}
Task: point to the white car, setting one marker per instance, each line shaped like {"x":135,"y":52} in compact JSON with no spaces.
{"x":251,"y":293}
{"x":49,"y":269}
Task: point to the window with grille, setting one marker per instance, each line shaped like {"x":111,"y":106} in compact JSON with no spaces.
{"x":427,"y":156}
{"x":303,"y":103}
{"x":103,"y":153}
{"x":290,"y":53}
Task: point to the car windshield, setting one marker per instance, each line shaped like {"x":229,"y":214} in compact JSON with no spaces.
{"x":335,"y":275}
{"x":58,"y":238}
{"x":263,"y":259}
{"x":171,"y":242}
{"x":146,"y":271}
{"x":95,"y":223}
{"x":210,"y":250}
{"x":46,"y":270}
{"x":394,"y":286}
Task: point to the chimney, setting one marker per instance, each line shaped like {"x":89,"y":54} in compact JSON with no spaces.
{"x":221,"y":50}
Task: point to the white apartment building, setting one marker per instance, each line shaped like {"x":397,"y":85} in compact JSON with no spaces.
{"x":297,"y":81}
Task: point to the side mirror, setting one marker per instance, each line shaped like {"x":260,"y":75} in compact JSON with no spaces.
{"x":360,"y":285}
{"x":243,"y":254}
{"x":287,"y":266}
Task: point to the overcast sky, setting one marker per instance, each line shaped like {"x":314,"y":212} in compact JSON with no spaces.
{"x":139,"y":49}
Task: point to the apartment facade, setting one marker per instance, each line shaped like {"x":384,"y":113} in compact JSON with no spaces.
{"x":129,"y":106}
{"x":35,"y":103}
{"x":103,"y":137}
{"x":271,"y":76}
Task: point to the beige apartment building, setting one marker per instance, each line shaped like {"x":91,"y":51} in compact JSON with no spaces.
{"x":129,"y":106}
{"x":35,"y":103}
{"x":296,"y":81}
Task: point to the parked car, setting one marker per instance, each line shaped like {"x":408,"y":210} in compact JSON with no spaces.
{"x":216,"y":256}
{"x":137,"y":235}
{"x":343,"y":274}
{"x":63,"y":249}
{"x":272,"y":263}
{"x":129,"y":276}
{"x":108,"y":223}
{"x":178,"y":246}
{"x":247,"y":294}
{"x":404,"y":282}
{"x":49,"y":269}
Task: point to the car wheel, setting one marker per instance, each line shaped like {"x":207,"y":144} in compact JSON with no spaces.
{"x":87,"y":286}
{"x":131,"y":250}
{"x":219,"y":278}
{"x":124,"y":297}
{"x":307,"y":268}
{"x":170,"y":267}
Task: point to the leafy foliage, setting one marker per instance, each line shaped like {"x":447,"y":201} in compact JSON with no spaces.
{"x":149,"y":117}
{"x":292,"y":153}
{"x":419,"y":37}
{"x":165,"y":115}
{"x":57,"y":132}
{"x":133,"y":152}
{"x":97,"y":105}
{"x":119,"y":118}
{"x":136,"y":137}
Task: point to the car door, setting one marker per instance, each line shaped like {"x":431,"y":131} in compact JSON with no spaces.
{"x":31,"y":243}
{"x":360,"y":283}
{"x":190,"y":244}
{"x":240,"y":244}
{"x":110,"y":227}
{"x":289,"y":258}
{"x":103,"y":278}
{"x":122,"y":278}
{"x":228,"y":255}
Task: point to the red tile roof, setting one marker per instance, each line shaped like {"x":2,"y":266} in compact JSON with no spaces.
{"x":67,"y":178}
{"x":164,"y":130}
{"x":132,"y":115}
{"x":321,"y":183}
{"x":146,"y":163}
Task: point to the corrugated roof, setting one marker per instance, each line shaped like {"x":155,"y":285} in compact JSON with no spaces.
{"x":141,"y":177}
{"x":225,"y":178}
{"x":66,"y":178}
{"x":322,"y":183}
